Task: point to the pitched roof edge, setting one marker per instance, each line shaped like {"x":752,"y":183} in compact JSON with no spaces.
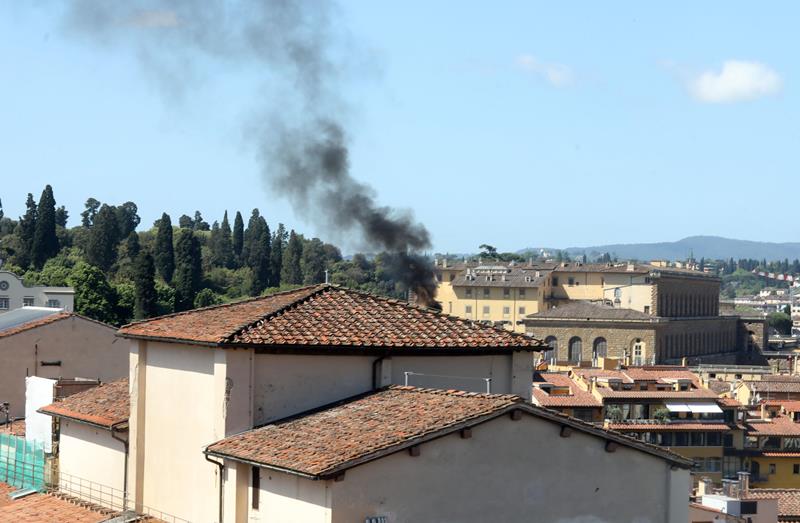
{"x":518,"y":404}
{"x":218,"y":306}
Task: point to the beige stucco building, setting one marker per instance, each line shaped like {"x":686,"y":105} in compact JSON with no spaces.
{"x":230,"y":368}
{"x":53,"y":344}
{"x":14,"y":294}
{"x":425,"y":455}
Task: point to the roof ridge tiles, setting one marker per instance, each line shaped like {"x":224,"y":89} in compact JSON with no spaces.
{"x":222,"y":305}
{"x":455,"y":393}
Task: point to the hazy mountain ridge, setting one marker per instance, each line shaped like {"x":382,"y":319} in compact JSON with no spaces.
{"x":712,"y":247}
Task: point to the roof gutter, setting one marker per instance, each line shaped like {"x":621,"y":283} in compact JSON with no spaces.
{"x":114,"y":426}
{"x":221,"y":466}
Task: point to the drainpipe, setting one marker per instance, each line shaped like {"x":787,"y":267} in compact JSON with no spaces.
{"x":125,"y":477}
{"x":221,"y":466}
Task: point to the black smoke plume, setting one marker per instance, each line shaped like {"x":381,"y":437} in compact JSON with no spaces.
{"x":299,"y":134}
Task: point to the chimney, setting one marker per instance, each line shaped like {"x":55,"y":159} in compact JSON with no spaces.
{"x":704,"y":487}
{"x":631,"y":267}
{"x":764,"y":411}
{"x":444,"y":263}
{"x":744,"y":483}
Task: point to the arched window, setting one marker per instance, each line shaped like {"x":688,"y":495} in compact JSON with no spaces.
{"x":600,"y":349}
{"x":575,"y":348}
{"x":552,"y":352}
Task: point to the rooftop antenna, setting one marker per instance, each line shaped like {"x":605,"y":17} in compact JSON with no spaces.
{"x":326,"y":276}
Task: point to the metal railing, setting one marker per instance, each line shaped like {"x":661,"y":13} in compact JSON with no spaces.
{"x":104,"y":497}
{"x":21,"y":462}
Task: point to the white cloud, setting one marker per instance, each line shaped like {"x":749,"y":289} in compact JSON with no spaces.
{"x":735,"y":82}
{"x":558,"y":75}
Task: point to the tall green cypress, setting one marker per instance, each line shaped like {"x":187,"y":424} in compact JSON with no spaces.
{"x":256,"y":252}
{"x":45,"y":241}
{"x":132,"y":245}
{"x":164,"y":251}
{"x":225,"y":243}
{"x":188,"y":269}
{"x":276,"y":256}
{"x":146,"y":303}
{"x":313,"y":261}
{"x":101,"y":248}
{"x":25,"y":231}
{"x":291,"y":273}
{"x":238,"y":238}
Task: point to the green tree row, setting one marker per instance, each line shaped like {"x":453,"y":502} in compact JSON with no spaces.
{"x":123,"y":272}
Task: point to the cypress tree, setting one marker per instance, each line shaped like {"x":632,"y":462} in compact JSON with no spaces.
{"x":188,"y":269}
{"x":291,"y":273}
{"x":276,"y":256}
{"x":238,"y":238}
{"x":87,"y":216}
{"x":101,"y":248}
{"x":256,"y":252}
{"x":312,"y":261}
{"x":146,"y":302}
{"x":213,"y":246}
{"x":225,"y":244}
{"x":164,"y":251}
{"x":45,"y":241}
{"x":27,"y":229}
{"x":132,"y":245}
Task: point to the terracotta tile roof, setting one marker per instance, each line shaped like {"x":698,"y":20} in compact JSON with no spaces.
{"x":35,"y":323}
{"x":587,"y":374}
{"x":669,"y":427}
{"x":584,"y":310}
{"x":777,"y":426}
{"x":105,"y":405}
{"x":15,"y":428}
{"x":324,"y":442}
{"x":577,"y":397}
{"x":38,"y":508}
{"x":658,"y":394}
{"x":719,"y":386}
{"x":661,"y":374}
{"x":775,"y":384}
{"x":326,"y":316}
{"x":788,"y":499}
{"x":729,"y":402}
{"x":781,"y":454}
{"x":321,"y":442}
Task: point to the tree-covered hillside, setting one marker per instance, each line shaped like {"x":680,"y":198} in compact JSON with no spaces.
{"x":123,"y":272}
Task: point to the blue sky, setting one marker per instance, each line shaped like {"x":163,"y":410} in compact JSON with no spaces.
{"x":532,"y":123}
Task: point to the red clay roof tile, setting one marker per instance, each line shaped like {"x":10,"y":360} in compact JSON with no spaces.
{"x":104,"y":405}
{"x":326,"y":316}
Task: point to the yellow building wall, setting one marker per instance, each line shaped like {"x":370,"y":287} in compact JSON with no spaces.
{"x":456,"y":301}
{"x":784,"y":476}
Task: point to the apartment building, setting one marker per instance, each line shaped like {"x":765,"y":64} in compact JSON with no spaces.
{"x":14,"y":294}
{"x":664,"y":406}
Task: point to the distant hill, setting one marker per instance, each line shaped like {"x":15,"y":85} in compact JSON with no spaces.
{"x":713,"y":247}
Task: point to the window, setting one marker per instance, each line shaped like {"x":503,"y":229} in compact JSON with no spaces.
{"x":3,"y":303}
{"x":571,"y":281}
{"x":552,"y":352}
{"x":468,"y":311}
{"x":575,"y":348}
{"x":506,"y":312}
{"x":714,"y":439}
{"x":727,"y":440}
{"x":555,"y":281}
{"x":486,"y":312}
{"x":522,"y":293}
{"x":600,"y":348}
{"x":54,"y":304}
{"x":583,"y":414}
{"x":796,"y":468}
{"x":256,"y":481}
{"x":748,"y":507}
{"x":773,"y":443}
{"x":666,"y":439}
{"x":522,"y":311}
{"x":27,"y":301}
{"x":696,"y":439}
{"x":772,"y":468}
{"x":681,"y":439}
{"x":647,"y":309}
{"x":713,"y":465}
{"x":506,"y":293}
{"x":452,"y":276}
{"x":468,"y":293}
{"x":617,"y":293}
{"x":486,"y":292}
{"x":638,"y":351}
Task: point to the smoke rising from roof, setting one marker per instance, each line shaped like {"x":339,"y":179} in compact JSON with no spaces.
{"x":300,"y":137}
